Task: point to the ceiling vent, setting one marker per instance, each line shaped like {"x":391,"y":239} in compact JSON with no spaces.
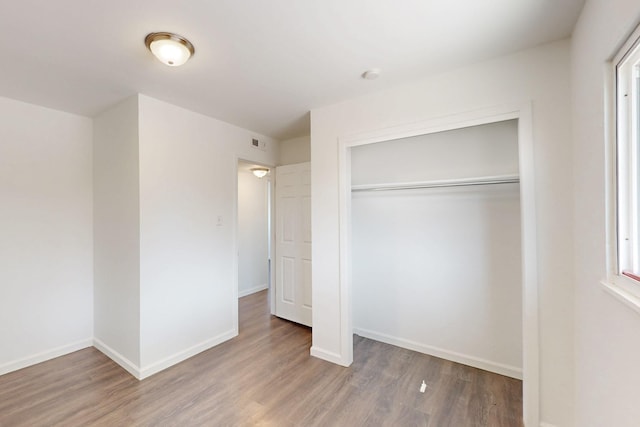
{"x":260,"y":145}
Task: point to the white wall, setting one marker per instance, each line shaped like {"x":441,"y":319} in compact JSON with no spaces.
{"x":485,"y":150}
{"x":607,"y":332}
{"x":188,"y":262}
{"x":438,"y":270}
{"x":295,"y":150}
{"x":117,"y":233}
{"x":165,"y":200}
{"x":253,"y":233}
{"x":46,"y":262}
{"x":540,"y":75}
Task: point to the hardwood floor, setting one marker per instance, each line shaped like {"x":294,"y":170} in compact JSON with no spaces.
{"x":264,"y":377}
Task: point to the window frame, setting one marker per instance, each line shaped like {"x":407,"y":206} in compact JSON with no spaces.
{"x":624,"y":190}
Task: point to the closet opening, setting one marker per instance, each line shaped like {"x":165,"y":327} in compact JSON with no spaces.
{"x":438,"y":242}
{"x":436,"y":263}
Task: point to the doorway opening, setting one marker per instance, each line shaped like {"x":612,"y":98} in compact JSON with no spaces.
{"x":254,"y":228}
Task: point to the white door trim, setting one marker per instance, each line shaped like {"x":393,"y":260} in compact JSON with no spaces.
{"x":530,"y":337}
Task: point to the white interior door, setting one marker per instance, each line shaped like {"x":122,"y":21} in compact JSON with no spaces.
{"x":293,"y":243}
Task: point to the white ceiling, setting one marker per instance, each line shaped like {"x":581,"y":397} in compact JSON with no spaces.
{"x":259,"y":64}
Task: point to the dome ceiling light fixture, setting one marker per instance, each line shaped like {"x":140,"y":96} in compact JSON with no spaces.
{"x":170,"y":49}
{"x":260,"y":172}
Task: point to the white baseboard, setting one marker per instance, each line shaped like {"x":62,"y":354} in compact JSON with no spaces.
{"x":253,"y":290}
{"x":167,"y":362}
{"x":329,"y":356}
{"x":44,"y":356}
{"x":476,"y":362}
{"x":125,"y":363}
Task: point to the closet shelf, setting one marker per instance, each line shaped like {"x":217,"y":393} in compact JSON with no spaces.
{"x":460,"y":182}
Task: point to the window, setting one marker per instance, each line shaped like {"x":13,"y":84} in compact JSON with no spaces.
{"x":628,"y":163}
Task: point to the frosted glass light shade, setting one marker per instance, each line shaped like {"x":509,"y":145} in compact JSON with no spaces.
{"x":260,"y":172}
{"x":170,"y":49}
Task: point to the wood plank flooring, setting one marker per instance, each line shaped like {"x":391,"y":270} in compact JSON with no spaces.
{"x":264,"y":377}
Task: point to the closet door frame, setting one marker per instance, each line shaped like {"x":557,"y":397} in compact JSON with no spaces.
{"x":530,"y":328}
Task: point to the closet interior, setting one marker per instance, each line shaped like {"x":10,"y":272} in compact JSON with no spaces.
{"x":436,"y":245}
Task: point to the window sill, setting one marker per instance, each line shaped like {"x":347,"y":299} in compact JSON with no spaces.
{"x":618,"y":289}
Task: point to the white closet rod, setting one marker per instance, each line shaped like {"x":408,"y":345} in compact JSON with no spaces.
{"x":482,"y":180}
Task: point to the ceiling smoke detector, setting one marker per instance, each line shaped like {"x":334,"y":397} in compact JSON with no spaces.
{"x":371,"y":74}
